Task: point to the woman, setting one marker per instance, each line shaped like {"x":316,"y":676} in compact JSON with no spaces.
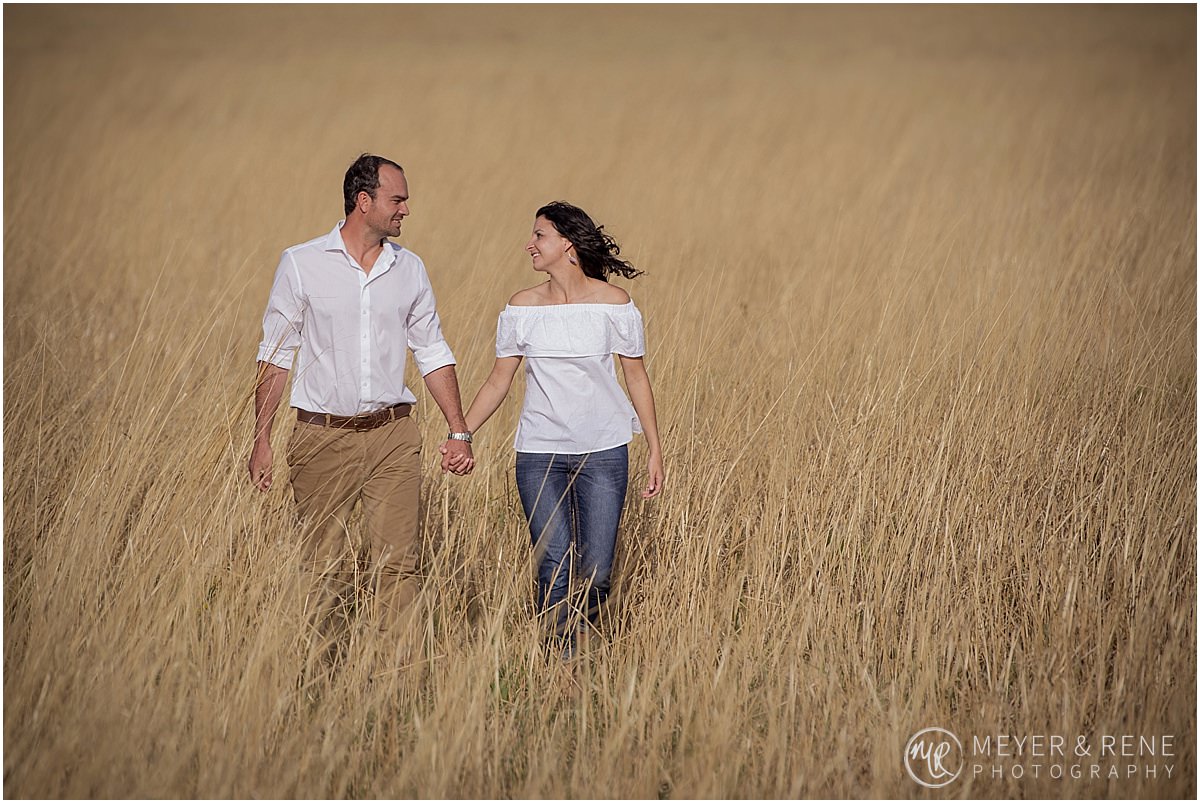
{"x":572,"y":439}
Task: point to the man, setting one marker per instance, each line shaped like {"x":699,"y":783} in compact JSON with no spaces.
{"x":352,"y":303}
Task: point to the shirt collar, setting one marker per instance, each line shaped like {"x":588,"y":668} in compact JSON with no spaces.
{"x":334,"y":242}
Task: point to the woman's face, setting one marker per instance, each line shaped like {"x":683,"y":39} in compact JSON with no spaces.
{"x":546,"y":246}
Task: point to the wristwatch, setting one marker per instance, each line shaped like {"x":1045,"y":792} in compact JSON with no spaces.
{"x":459,"y":436}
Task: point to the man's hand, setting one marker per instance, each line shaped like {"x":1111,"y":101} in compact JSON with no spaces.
{"x":260,"y":465}
{"x":457,"y":457}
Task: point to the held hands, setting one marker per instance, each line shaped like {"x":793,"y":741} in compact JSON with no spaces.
{"x":457,"y":457}
{"x":654,"y":483}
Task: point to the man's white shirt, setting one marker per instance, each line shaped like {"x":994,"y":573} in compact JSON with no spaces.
{"x":352,"y":329}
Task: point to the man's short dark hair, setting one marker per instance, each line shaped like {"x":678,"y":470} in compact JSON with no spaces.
{"x":363,"y":176}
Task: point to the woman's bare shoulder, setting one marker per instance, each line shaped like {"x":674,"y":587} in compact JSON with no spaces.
{"x":529,"y":297}
{"x":611,"y":294}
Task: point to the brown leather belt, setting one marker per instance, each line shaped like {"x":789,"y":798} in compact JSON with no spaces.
{"x":358,"y":423}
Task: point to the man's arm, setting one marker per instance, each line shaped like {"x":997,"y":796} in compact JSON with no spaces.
{"x":436,"y":364}
{"x":282,"y":323}
{"x":267,"y":393}
{"x":443,"y":386}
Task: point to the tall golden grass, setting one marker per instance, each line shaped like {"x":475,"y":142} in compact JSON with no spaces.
{"x":920,"y":298}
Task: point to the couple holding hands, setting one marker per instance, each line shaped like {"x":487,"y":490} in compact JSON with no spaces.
{"x":344,"y":311}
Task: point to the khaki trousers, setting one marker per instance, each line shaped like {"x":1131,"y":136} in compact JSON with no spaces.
{"x":331,"y":469}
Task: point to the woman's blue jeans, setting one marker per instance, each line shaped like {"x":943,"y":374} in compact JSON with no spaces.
{"x":573,"y":504}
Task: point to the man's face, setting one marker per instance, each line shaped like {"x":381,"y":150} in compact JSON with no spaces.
{"x":390,"y":204}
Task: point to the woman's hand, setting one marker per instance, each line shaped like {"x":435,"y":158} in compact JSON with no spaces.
{"x":654,"y":484}
{"x":456,"y":457}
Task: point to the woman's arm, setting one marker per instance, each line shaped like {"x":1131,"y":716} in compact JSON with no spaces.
{"x":642,"y":397}
{"x":492,"y":392}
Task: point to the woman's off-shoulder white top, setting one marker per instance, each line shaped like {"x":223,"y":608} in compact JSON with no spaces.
{"x":573,"y":403}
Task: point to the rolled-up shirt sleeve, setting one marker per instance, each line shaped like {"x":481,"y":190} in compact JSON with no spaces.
{"x":284,"y":317}
{"x":430,"y":350}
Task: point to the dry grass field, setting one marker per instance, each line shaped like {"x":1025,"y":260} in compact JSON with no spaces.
{"x":920,"y":297}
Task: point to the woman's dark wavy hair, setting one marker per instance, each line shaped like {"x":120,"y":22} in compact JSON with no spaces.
{"x":597,"y":251}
